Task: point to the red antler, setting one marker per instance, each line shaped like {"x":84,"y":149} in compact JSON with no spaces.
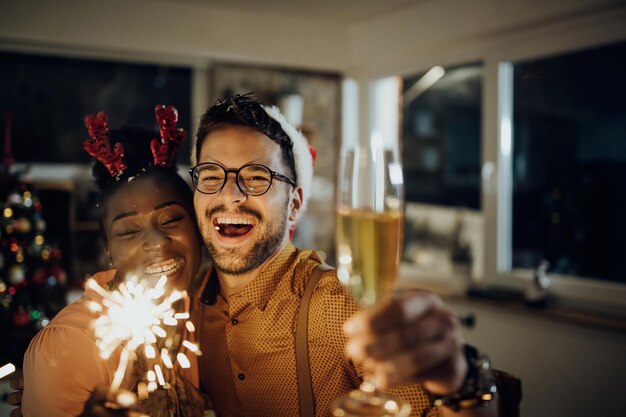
{"x":100,"y":147}
{"x":164,"y":151}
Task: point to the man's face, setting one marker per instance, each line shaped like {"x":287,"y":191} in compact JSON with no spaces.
{"x":242,"y":232}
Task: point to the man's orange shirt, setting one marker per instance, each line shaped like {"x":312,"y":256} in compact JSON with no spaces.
{"x":249,"y":363}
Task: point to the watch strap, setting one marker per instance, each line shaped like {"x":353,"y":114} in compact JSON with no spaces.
{"x":478,"y":389}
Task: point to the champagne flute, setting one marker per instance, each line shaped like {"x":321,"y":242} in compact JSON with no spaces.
{"x":369,"y":241}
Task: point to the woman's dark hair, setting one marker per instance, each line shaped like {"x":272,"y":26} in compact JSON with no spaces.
{"x":139,"y":161}
{"x":243,"y":110}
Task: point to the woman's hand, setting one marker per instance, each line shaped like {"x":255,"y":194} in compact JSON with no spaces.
{"x":15,"y":398}
{"x":103,"y":403}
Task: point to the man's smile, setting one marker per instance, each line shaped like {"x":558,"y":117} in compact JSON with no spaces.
{"x":232,"y":226}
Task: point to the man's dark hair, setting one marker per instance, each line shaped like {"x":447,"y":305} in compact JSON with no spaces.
{"x":243,"y":110}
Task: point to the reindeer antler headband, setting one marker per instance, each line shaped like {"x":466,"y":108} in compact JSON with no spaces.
{"x":163,"y":151}
{"x":171,"y":136}
{"x":99,"y":146}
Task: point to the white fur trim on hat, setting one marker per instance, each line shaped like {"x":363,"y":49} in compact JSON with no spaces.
{"x":301,"y":154}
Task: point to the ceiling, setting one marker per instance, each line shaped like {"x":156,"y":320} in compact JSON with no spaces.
{"x":346,"y":11}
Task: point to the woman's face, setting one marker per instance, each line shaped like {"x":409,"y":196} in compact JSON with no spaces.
{"x":150,"y":231}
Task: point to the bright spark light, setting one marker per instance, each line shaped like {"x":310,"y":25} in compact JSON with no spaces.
{"x":132,"y":316}
{"x":165,"y":357}
{"x":183,"y":360}
{"x":7,"y":369}
{"x":190,"y":327}
{"x":191,"y":346}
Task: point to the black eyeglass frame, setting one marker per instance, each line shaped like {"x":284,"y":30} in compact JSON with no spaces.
{"x":273,"y":174}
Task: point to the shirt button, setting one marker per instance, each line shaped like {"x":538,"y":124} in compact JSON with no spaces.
{"x":241,"y":377}
{"x":234,"y":322}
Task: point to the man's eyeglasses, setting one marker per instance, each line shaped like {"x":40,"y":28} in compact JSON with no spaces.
{"x":252,"y":179}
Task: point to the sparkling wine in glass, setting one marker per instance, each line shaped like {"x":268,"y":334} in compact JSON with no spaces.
{"x":369,"y":242}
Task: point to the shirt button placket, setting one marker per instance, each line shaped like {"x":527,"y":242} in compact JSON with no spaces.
{"x":241,"y":376}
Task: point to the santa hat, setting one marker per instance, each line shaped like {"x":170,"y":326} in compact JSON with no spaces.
{"x":302,"y":153}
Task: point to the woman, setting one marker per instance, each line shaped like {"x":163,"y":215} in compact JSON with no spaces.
{"x":149,"y":230}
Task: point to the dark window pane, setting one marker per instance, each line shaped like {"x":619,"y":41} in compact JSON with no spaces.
{"x":48,"y":98}
{"x":569,"y":163}
{"x":441,"y":144}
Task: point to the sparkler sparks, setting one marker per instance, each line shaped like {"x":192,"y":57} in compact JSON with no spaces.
{"x":132,"y":316}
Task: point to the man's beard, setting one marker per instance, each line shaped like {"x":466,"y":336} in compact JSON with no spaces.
{"x":232,"y":260}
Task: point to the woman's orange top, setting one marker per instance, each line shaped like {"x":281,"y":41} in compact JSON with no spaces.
{"x":62,"y":364}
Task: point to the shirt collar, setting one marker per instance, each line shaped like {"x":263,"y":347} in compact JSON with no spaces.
{"x":210,"y":287}
{"x":261,"y":289}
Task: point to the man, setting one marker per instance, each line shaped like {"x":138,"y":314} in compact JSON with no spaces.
{"x":252,"y":180}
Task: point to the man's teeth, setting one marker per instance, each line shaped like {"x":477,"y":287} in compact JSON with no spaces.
{"x":232,"y":220}
{"x":166,"y":267}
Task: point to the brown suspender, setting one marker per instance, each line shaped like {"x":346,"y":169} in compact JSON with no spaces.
{"x":305,"y":388}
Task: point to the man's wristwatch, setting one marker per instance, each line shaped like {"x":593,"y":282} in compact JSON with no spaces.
{"x":478,"y":389}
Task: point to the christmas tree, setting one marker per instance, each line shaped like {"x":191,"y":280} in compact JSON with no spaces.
{"x":32,"y":281}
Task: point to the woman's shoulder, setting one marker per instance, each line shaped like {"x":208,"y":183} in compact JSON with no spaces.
{"x":69,"y":335}
{"x":79,"y":315}
{"x":62,"y":364}
{"x":71,"y":329}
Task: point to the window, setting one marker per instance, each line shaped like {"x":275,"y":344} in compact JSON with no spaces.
{"x":441,"y":149}
{"x":569,"y":163}
{"x":559,"y":194}
{"x":523,"y":162}
{"x":48,"y":97}
{"x":441,"y":136}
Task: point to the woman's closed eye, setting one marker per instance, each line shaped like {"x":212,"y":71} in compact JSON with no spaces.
{"x":171,"y":221}
{"x":127,"y":233}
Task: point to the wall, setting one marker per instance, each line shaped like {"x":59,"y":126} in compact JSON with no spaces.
{"x":449,"y":32}
{"x":454,"y":31}
{"x":184,"y":31}
{"x":567,"y":370}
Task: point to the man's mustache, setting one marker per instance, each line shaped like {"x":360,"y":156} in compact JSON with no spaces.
{"x":242,"y":210}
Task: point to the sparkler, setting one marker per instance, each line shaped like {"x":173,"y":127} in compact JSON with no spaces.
{"x":133,"y":316}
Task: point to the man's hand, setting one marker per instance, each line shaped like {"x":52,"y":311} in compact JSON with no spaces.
{"x":103,"y":403}
{"x":15,"y":398}
{"x":410,"y":339}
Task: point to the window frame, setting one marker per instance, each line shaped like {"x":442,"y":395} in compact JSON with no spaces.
{"x":497,"y":51}
{"x":200,"y":71}
{"x":496,"y":187}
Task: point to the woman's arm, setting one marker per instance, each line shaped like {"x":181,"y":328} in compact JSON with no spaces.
{"x":61,"y":368}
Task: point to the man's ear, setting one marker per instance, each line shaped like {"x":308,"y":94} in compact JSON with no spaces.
{"x":295,"y":204}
